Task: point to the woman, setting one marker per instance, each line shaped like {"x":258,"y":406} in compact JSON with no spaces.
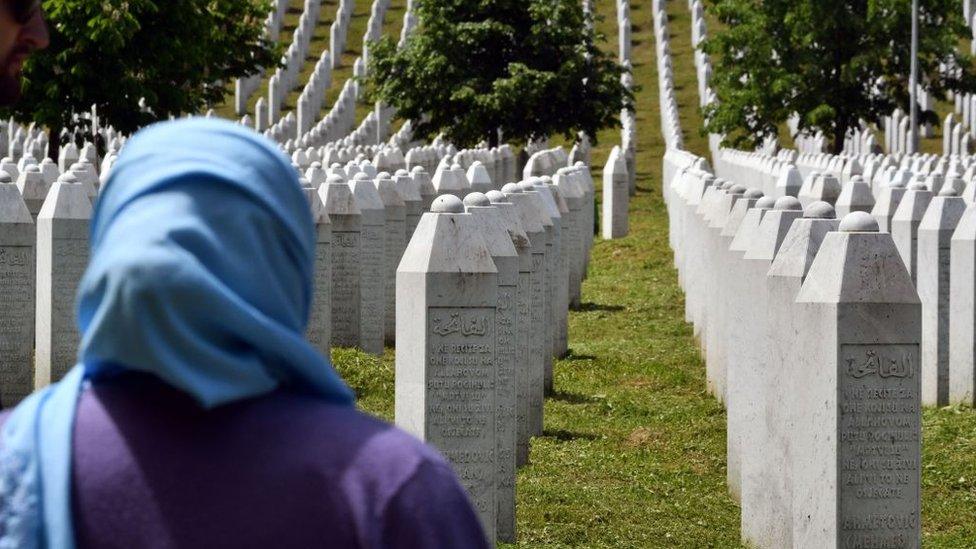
{"x":198,"y":416}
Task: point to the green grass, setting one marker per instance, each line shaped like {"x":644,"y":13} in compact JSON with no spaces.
{"x":633,"y":453}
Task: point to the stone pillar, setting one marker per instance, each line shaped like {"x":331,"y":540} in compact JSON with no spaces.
{"x":887,"y":204}
{"x":535,"y":227}
{"x":547,"y":202}
{"x":494,"y":229}
{"x":567,"y":181}
{"x":739,"y":320}
{"x":717,"y":248}
{"x":933,"y":283}
{"x":525,"y":335}
{"x":553,"y":234}
{"x":447,"y":295}
{"x":17,"y":278}
{"x":346,"y":221}
{"x":861,"y":383}
{"x":396,"y":242}
{"x":62,"y":257}
{"x":412,"y":201}
{"x":615,"y":196}
{"x":478,"y":176}
{"x":372,"y":279}
{"x":819,"y":188}
{"x":783,"y":282}
{"x":319,"y":331}
{"x":962,"y":311}
{"x":904,"y":225}
{"x":758,"y":512}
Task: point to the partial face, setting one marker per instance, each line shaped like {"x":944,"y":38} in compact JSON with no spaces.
{"x":22,"y":30}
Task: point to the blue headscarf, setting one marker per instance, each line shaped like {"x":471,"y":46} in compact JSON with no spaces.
{"x":203,"y":249}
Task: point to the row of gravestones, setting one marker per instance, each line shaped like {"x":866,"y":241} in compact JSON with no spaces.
{"x":482,"y":296}
{"x":813,"y":336}
{"x":930,"y":216}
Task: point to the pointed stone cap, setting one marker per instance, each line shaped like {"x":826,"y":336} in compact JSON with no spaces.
{"x":424,"y":183}
{"x":801,"y":243}
{"x":31,"y":184}
{"x":943,"y":214}
{"x":447,"y":240}
{"x":913,"y":203}
{"x":858,"y":264}
{"x":315,"y":203}
{"x":368,"y":198}
{"x":50,"y":171}
{"x":315,"y":174}
{"x":772,"y":229}
{"x":338,"y":197}
{"x":66,"y":199}
{"x":492,"y":226}
{"x":789,"y":181}
{"x":391,"y":198}
{"x":478,"y":176}
{"x":746,"y":231}
{"x":529,"y":215}
{"x":12,"y":206}
{"x":738,"y":213}
{"x":408,"y":188}
{"x":546,"y":195}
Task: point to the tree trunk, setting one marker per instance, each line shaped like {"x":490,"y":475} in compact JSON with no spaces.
{"x":492,"y":138}
{"x":54,"y":142}
{"x":840,"y":130}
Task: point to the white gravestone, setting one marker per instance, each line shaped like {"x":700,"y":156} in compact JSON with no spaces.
{"x":783,"y":283}
{"x":739,"y":337}
{"x":425,"y":185}
{"x":447,"y":288}
{"x":493,"y":229}
{"x":62,"y":257}
{"x":33,"y":189}
{"x":511,"y":214}
{"x":855,"y":196}
{"x":933,"y":283}
{"x":820,"y":188}
{"x":563,"y":260}
{"x":717,"y":248}
{"x":567,"y":182}
{"x":887,"y":204}
{"x":535,"y":328}
{"x":904,"y":224}
{"x":396,"y":242}
{"x":857,"y":455}
{"x":346,"y":221}
{"x":412,"y":201}
{"x":962,"y":311}
{"x":616,"y":196}
{"x":319,"y":331}
{"x":17,"y":278}
{"x":372,"y":259}
{"x":535,"y":188}
{"x":758,"y":516}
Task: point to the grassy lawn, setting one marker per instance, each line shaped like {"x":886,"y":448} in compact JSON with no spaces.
{"x":634,"y":448}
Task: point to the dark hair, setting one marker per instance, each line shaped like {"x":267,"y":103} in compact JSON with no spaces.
{"x":23,"y":10}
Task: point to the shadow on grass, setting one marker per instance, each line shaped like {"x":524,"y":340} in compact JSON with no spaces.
{"x":563,"y":435}
{"x":572,"y":398}
{"x":571,"y":356}
{"x":588,"y":307}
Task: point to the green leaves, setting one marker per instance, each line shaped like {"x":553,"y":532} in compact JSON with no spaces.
{"x":834,"y":62}
{"x":177,"y":54}
{"x":476,"y":66}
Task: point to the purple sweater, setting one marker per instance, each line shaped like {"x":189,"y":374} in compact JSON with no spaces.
{"x":152,"y":469}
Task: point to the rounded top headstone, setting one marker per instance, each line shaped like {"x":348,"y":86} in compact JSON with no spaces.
{"x":477,"y":199}
{"x":738,"y":189}
{"x":418,"y":169}
{"x":69,"y":177}
{"x":33,"y":168}
{"x":383,"y":175}
{"x":859,"y":222}
{"x":448,"y":204}
{"x":335,"y":179}
{"x":754,"y":193}
{"x":510,"y":188}
{"x":402,"y":171}
{"x":819,"y":210}
{"x":5,"y":177}
{"x":918,"y":187}
{"x":787,"y":203}
{"x":949,"y":190}
{"x":361,"y":176}
{"x":496,"y":197}
{"x":766,"y":202}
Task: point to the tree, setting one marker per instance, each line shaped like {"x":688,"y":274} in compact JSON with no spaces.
{"x":530,"y":68}
{"x":832,"y":62}
{"x":175,"y":55}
